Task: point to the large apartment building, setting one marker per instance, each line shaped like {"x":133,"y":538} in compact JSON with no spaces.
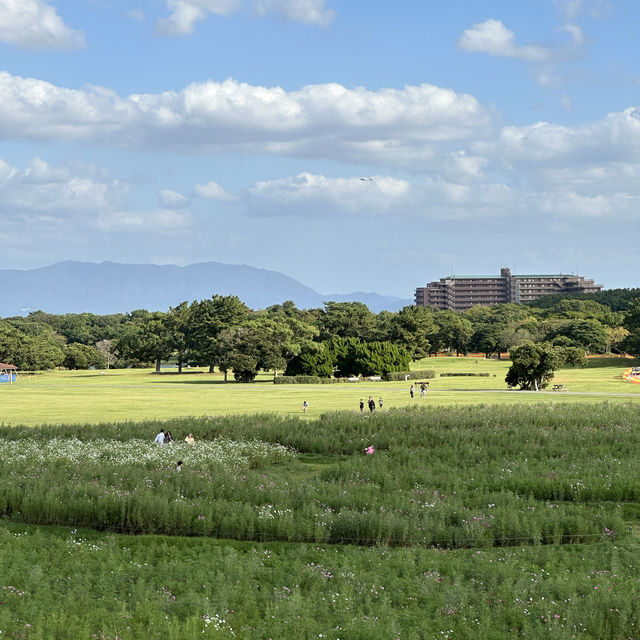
{"x":461,"y":292}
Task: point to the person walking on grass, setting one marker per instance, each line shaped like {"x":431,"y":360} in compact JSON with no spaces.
{"x":380,"y":402}
{"x":412,"y":390}
{"x":160,"y":437}
{"x":372,"y":404}
{"x":423,"y":390}
{"x":361,"y":405}
{"x":305,"y":406}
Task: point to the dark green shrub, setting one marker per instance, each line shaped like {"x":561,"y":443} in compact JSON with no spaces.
{"x":421,"y":374}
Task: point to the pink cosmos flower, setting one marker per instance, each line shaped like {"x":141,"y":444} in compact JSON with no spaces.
{"x":369,"y":450}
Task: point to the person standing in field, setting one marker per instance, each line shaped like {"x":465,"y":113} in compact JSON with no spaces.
{"x":372,"y":404}
{"x":380,"y":402}
{"x":361,"y":405}
{"x":190,"y":439}
{"x":412,"y":390}
{"x":168,"y":438}
{"x":160,"y":437}
{"x":305,"y":406}
{"x":423,"y":390}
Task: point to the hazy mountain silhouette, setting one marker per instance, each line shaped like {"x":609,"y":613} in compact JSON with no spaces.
{"x":109,"y":287}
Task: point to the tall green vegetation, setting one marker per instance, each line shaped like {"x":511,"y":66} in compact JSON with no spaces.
{"x":222,"y":332}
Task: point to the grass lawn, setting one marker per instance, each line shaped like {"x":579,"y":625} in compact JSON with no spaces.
{"x":137,"y":394}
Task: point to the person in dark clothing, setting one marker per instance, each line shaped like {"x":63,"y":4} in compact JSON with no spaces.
{"x":372,"y":404}
{"x":361,"y":405}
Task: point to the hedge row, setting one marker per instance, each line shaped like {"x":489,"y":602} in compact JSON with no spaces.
{"x":457,"y":375}
{"x":308,"y":380}
{"x":394,"y":376}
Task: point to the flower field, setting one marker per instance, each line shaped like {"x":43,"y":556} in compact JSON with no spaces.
{"x":476,"y":521}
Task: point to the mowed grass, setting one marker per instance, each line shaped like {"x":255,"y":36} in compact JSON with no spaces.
{"x":139,"y":394}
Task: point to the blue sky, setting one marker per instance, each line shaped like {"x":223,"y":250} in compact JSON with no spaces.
{"x":488,"y":134}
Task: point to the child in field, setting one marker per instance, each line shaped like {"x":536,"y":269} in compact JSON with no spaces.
{"x":179,"y":466}
{"x":380,"y":402}
{"x":168,"y":438}
{"x":160,"y":437}
{"x":190,"y":439}
{"x":372,"y":404}
{"x":412,"y":389}
{"x":361,"y":405}
{"x":305,"y":406}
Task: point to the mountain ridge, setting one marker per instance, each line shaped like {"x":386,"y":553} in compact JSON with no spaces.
{"x":113,"y":287}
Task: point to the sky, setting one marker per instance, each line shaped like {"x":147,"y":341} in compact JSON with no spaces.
{"x":354,"y":145}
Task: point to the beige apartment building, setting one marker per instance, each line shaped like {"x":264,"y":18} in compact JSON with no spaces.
{"x":461,"y":292}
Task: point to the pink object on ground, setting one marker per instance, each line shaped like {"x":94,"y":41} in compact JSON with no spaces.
{"x":369,"y":450}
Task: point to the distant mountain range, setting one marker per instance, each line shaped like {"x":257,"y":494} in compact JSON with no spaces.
{"x":109,"y":287}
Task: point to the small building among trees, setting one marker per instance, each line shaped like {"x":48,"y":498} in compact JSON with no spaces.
{"x":8,"y":372}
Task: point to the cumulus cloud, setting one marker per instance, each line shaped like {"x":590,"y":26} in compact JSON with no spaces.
{"x":41,"y":187}
{"x":78,"y":200}
{"x":185,"y":13}
{"x":34,"y":24}
{"x":307,"y":11}
{"x":213,"y":191}
{"x":398,"y":126}
{"x":493,"y":38}
{"x":309,"y":195}
{"x":433,"y":198}
{"x":172,"y":199}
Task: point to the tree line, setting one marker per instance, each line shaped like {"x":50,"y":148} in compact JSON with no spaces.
{"x":339,"y":339}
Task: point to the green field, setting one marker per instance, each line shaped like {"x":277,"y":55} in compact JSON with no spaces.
{"x":139,"y":394}
{"x":482,"y":513}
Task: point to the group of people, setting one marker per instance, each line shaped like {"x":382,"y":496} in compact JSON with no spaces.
{"x":167,"y":438}
{"x":371,"y":403}
{"x":423,"y":389}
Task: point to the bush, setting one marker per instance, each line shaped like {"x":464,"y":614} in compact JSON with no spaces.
{"x":465,"y":374}
{"x":423,"y":374}
{"x":308,"y":380}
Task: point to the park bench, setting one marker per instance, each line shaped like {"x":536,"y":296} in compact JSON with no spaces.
{"x":374,"y":378}
{"x":559,"y":387}
{"x":354,"y":379}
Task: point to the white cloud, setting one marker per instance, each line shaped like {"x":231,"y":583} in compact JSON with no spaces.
{"x":57,"y":190}
{"x":213,"y":191}
{"x":172,"y":199}
{"x":494,"y":38}
{"x":616,"y":138}
{"x":307,"y":11}
{"x":185,"y":13}
{"x":34,"y":24}
{"x":309,"y":195}
{"x":395,"y":126}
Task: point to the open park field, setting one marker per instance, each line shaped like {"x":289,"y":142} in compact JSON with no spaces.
{"x":479,"y":513}
{"x":139,"y":394}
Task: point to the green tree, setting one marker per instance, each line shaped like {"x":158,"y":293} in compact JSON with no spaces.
{"x":347,"y":320}
{"x":208,"y":318}
{"x":144,"y":337}
{"x":454,"y":331}
{"x":413,"y":327}
{"x":631,"y":343}
{"x":178,"y":325}
{"x":533,"y":366}
{"x":82,"y":356}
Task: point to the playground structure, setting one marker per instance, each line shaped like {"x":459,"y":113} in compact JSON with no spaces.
{"x":632,"y":374}
{"x":8,"y":372}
